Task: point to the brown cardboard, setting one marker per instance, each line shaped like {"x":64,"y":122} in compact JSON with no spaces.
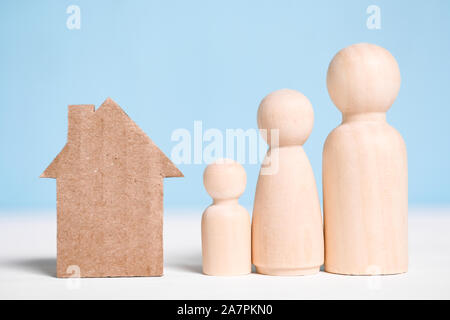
{"x":109,"y":196}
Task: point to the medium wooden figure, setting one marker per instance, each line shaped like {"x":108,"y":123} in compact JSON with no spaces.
{"x":287,"y":234}
{"x":226,"y":227}
{"x":365,"y":178}
{"x":109,"y":196}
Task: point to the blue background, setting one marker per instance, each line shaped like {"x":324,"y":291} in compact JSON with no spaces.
{"x":168,"y":63}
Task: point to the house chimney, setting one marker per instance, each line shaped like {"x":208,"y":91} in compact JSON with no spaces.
{"x":79,"y":121}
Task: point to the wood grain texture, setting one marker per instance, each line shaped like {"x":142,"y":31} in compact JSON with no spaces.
{"x":226,"y":226}
{"x":287,"y":236}
{"x":365,"y":178}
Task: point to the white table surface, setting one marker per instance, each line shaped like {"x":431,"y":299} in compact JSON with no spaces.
{"x":28,"y":263}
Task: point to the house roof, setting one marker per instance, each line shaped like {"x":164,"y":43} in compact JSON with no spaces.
{"x":108,"y":107}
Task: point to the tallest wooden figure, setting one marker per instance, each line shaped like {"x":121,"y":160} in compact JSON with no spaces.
{"x":365,"y":178}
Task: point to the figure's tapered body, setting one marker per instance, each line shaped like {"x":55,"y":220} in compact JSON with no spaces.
{"x":226,"y":239}
{"x":287,"y":235}
{"x":287,"y":224}
{"x":365,"y":183}
{"x":365,"y":178}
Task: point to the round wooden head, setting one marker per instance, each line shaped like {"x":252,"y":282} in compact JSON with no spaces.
{"x":363,"y":78}
{"x":225,"y":179}
{"x":289,"y":113}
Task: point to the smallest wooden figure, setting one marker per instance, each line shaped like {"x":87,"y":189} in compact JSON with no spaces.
{"x":226,"y":226}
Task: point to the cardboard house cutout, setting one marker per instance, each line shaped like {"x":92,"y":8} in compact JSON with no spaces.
{"x":109,"y":196}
